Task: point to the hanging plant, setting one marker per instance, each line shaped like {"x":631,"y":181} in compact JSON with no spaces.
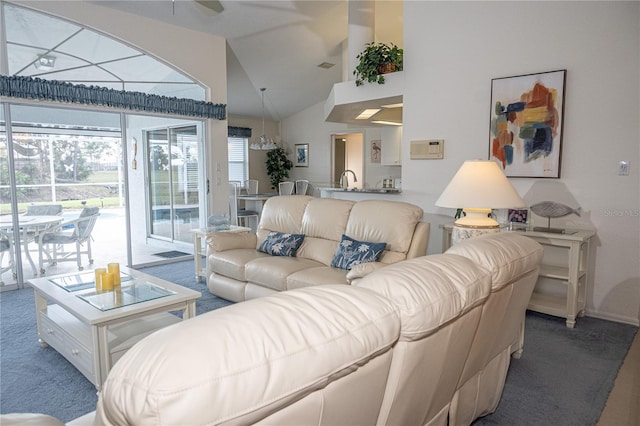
{"x":278,"y":166}
{"x":377,"y":59}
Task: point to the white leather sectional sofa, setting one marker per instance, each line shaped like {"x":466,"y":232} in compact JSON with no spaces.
{"x":237,"y":271}
{"x":425,"y":341}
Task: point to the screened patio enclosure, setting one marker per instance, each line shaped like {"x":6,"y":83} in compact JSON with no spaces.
{"x":76,"y":159}
{"x":145,"y":171}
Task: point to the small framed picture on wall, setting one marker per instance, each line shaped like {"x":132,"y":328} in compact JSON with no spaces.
{"x":302,"y":155}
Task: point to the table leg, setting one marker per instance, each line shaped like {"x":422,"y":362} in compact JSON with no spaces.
{"x":26,"y":251}
{"x":197,"y":256}
{"x":101,"y":356}
{"x":190,"y":310}
{"x":41,"y":306}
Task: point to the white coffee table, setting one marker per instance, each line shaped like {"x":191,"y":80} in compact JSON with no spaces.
{"x":72,"y":322}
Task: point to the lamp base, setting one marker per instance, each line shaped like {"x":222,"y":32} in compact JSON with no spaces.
{"x":461,"y":233}
{"x":476,"y":222}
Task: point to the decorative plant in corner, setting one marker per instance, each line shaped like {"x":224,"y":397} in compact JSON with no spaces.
{"x":375,"y":60}
{"x":278,"y":166}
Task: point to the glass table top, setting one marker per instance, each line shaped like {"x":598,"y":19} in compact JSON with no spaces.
{"x":84,"y":281}
{"x":130,"y":293}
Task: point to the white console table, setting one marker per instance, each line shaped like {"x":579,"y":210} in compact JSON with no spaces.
{"x":569,"y":269}
{"x":199,"y":249}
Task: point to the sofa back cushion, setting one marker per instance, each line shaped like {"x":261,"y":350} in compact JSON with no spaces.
{"x":391,"y":222}
{"x":430,"y":291}
{"x":323,"y":223}
{"x":241,"y":363}
{"x":282,"y":214}
{"x":506,"y":255}
{"x":439,"y":298}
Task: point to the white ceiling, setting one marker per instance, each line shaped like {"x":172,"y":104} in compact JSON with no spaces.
{"x":277,"y":45}
{"x":273,"y":44}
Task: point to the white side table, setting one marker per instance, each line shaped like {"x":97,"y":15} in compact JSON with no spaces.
{"x":199,"y":249}
{"x":570,"y":270}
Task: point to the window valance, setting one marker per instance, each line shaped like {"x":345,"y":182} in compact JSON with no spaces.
{"x":239,"y":132}
{"x":61,"y":91}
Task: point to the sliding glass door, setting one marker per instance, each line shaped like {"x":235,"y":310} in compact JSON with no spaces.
{"x":8,"y":271}
{"x":174,"y":174}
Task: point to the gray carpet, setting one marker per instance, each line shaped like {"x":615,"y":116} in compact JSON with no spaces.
{"x":563,"y":378}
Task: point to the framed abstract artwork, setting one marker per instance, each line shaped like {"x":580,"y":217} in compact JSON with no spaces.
{"x":526,"y":124}
{"x":302,"y":155}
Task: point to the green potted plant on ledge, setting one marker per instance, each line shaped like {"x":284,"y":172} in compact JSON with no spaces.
{"x":278,"y":166}
{"x":375,"y":60}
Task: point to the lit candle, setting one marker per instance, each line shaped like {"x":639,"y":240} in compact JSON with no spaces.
{"x":107,"y":281}
{"x":114,"y":268}
{"x":99,"y":272}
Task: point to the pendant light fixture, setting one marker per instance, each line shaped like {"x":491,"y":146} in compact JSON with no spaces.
{"x":263,"y":143}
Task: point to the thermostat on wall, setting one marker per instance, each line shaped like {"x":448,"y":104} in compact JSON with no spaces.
{"x":430,"y":149}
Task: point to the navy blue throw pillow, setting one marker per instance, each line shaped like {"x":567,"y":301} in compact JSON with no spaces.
{"x":279,"y":244}
{"x":353,"y":252}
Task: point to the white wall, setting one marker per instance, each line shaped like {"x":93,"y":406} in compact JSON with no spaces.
{"x":454,"y":49}
{"x":449,"y":70}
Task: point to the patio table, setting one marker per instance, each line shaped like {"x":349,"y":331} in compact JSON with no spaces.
{"x":30,"y":228}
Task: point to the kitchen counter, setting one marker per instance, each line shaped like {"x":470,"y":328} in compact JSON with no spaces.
{"x":359,"y":194}
{"x":364,"y":190}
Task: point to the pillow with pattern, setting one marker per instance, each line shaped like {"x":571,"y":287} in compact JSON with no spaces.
{"x":353,"y":252}
{"x":279,"y":244}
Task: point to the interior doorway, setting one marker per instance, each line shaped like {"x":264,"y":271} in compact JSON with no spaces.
{"x":347,"y":154}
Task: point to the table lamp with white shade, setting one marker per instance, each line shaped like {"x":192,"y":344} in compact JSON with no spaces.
{"x":478,"y":187}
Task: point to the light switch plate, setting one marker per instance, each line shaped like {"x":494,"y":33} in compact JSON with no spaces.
{"x":623,"y":168}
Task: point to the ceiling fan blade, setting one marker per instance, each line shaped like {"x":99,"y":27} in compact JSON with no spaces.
{"x":211,"y":5}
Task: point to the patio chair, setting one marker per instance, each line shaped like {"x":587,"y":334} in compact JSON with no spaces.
{"x":301,"y":186}
{"x":44,"y":210}
{"x":6,"y":245}
{"x":51,"y":241}
{"x":285,"y":188}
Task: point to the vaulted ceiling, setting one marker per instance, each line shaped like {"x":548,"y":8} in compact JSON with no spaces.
{"x":277,"y":45}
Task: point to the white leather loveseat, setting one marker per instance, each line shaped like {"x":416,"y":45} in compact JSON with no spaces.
{"x":424,"y":341}
{"x":237,"y":271}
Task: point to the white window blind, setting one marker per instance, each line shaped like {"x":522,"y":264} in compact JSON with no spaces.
{"x":238,"y":159}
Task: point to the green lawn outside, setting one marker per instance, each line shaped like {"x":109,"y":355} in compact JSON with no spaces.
{"x":103,"y":176}
{"x":68,"y":204}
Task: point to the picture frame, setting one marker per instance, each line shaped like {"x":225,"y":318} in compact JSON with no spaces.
{"x":301,"y":155}
{"x":526,"y":124}
{"x":376,"y":151}
{"x":518,"y":215}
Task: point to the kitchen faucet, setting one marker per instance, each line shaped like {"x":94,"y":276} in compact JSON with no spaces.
{"x":345,"y":183}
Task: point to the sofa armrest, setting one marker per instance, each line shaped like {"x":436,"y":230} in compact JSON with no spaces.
{"x":222,"y":241}
{"x":362,"y":270}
